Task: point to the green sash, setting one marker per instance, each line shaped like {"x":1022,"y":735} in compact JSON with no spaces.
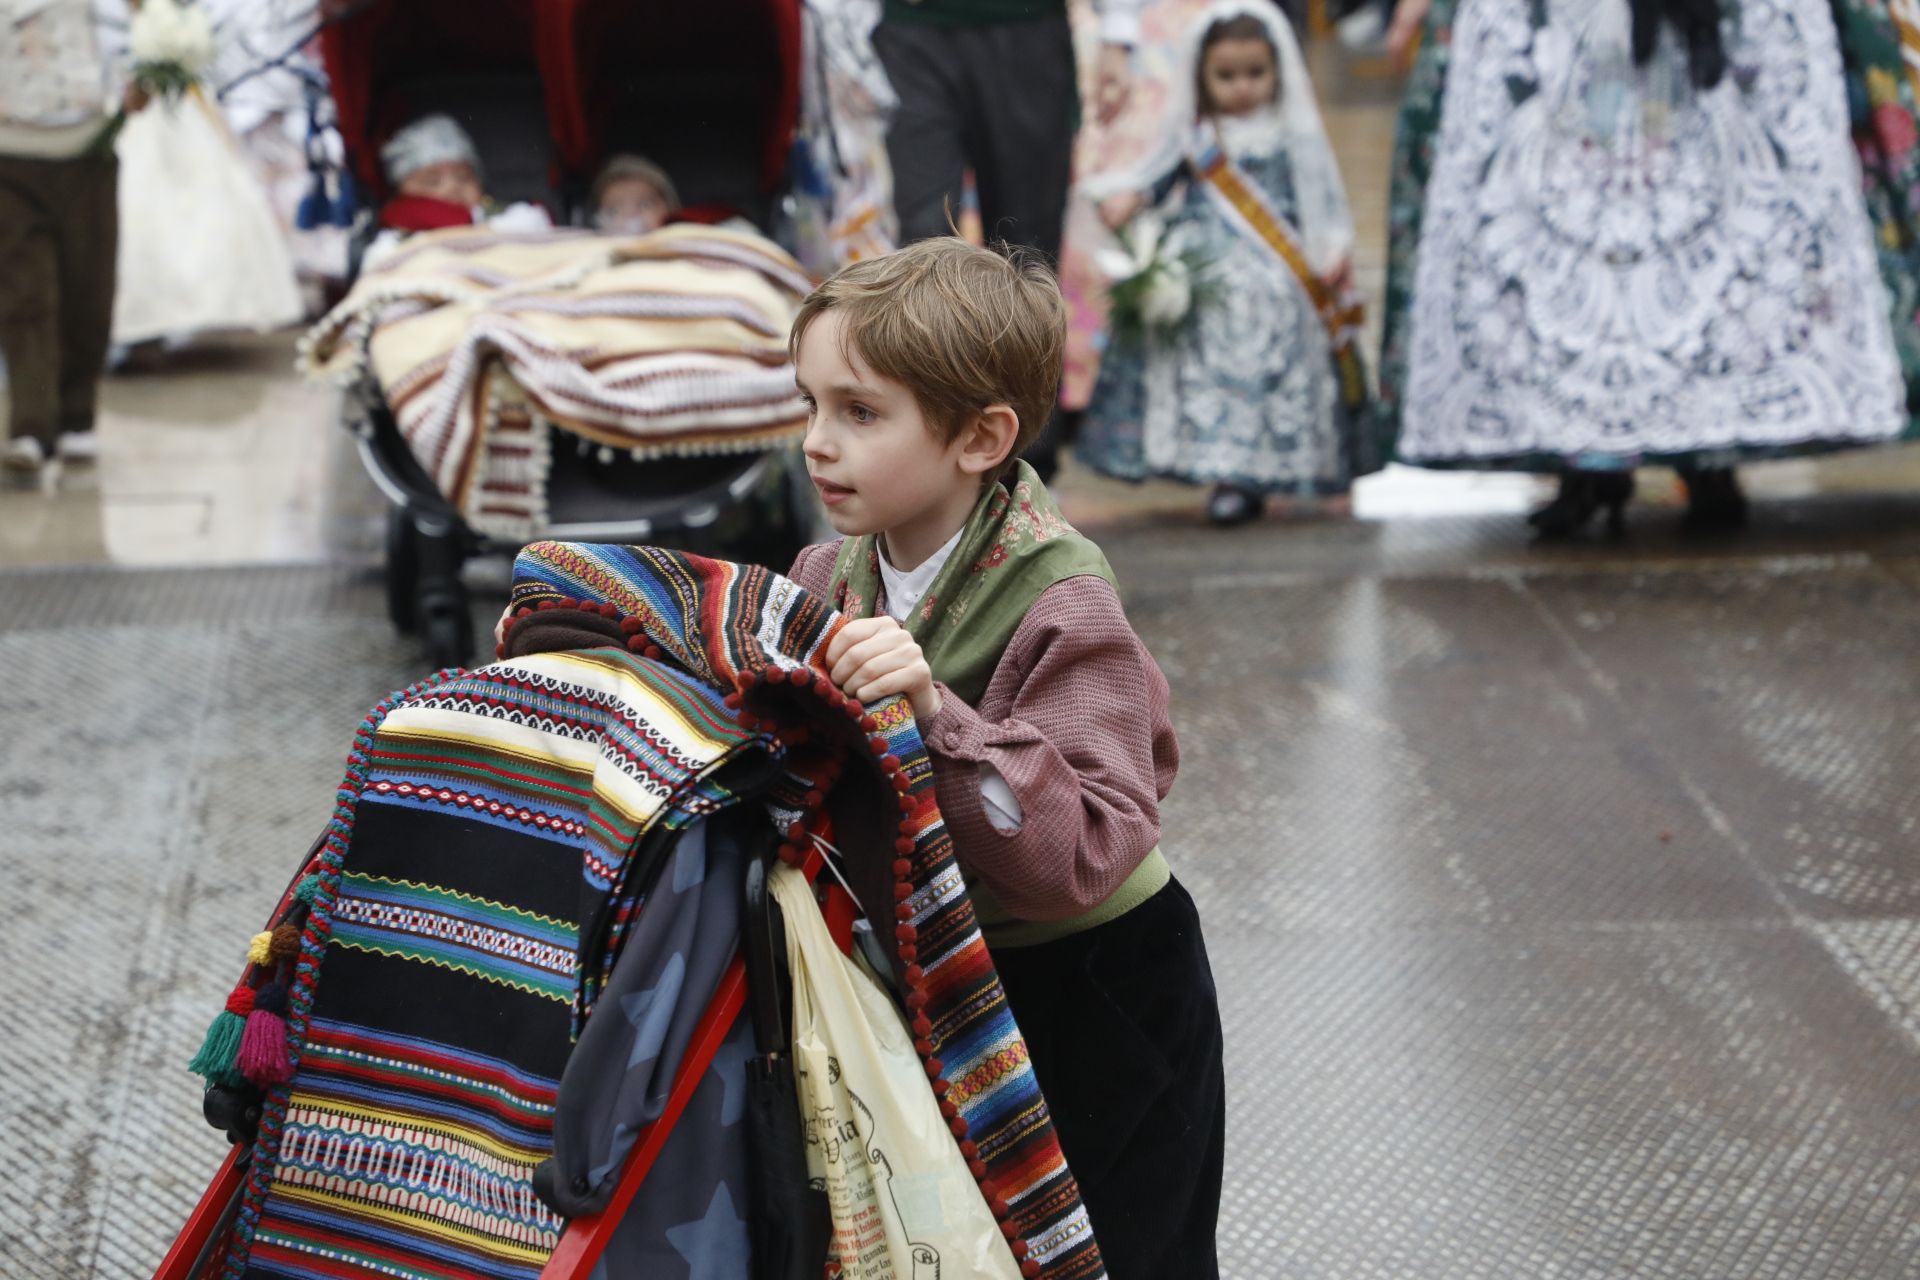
{"x":1015,"y":545}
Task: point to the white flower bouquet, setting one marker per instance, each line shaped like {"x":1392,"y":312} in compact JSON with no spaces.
{"x":172,"y":47}
{"x":1155,"y":282}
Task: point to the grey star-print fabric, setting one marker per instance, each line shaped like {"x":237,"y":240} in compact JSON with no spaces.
{"x":693,"y":1225}
{"x":622,"y":1070}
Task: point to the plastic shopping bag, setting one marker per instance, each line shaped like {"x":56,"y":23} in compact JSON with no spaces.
{"x":904,"y":1205}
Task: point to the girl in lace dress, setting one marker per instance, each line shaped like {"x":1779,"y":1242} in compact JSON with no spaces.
{"x":1634,"y":231}
{"x":1253,"y":391}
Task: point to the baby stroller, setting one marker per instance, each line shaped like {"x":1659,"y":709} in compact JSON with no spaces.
{"x":459,"y":1038}
{"x":548,"y":90}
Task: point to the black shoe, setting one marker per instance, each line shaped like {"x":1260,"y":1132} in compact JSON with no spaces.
{"x":1583,"y":494}
{"x":1231,"y":506}
{"x":1715,"y":503}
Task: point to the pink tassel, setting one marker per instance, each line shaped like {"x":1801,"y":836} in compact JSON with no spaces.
{"x":263,"y":1047}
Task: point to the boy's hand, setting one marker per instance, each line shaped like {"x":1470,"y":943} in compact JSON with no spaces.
{"x":872,"y":658}
{"x":1341,"y":277}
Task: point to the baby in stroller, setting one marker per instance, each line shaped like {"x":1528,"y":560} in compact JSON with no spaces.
{"x":633,"y":196}
{"x":435,"y":171}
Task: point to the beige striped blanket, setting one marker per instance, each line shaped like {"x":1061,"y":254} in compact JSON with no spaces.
{"x":479,"y":341}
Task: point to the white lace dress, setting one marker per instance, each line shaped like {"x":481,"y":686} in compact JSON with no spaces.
{"x":1612,"y":265}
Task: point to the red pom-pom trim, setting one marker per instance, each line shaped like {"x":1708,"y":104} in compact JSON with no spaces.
{"x":903,"y":911}
{"x":922,"y":1027}
{"x":915,"y":976}
{"x":630,"y":626}
{"x":906,"y":933}
{"x":902,"y":867}
{"x":1030,"y":1268}
{"x":977,"y":1168}
{"x":903,"y":847}
{"x":906,"y":801}
{"x":959,"y":1127}
{"x":890,"y":764}
{"x":609,"y":611}
{"x":870,"y":723}
{"x":934,"y":1068}
{"x":1008,"y":1230}
{"x":916,"y":1000}
{"x":901,"y":782}
{"x":241,"y":1001}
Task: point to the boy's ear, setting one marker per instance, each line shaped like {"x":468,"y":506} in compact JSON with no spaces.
{"x":988,"y":439}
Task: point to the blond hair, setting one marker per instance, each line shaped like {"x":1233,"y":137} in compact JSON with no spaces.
{"x":961,"y":327}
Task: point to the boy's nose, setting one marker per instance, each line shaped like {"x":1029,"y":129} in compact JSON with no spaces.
{"x":814,"y":444}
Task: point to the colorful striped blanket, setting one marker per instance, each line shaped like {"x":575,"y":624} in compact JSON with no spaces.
{"x":493,"y":843}
{"x":485,"y":818}
{"x":732,"y":627}
{"x":481,"y":342}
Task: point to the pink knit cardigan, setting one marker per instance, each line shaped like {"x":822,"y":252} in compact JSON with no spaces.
{"x":1076,"y":720}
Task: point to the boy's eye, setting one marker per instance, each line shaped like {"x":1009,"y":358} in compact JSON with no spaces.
{"x":860,"y":413}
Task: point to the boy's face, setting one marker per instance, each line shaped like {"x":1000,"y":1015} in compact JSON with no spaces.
{"x":451,"y":180}
{"x":878,"y":466}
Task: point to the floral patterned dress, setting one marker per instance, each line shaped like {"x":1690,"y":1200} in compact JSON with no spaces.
{"x":1593,"y":265}
{"x":1244,"y":391}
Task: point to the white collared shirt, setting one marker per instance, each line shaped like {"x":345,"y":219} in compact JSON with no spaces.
{"x":901,"y":594}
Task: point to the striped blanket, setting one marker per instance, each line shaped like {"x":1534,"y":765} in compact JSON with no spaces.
{"x":744,"y":629}
{"x":481,"y":342}
{"x":493,"y":844}
{"x":486,"y":817}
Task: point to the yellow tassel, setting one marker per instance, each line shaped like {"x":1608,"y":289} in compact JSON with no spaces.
{"x":260,"y":950}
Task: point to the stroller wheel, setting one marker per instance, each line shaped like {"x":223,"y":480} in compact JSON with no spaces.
{"x":403,"y":570}
{"x":447,"y":628}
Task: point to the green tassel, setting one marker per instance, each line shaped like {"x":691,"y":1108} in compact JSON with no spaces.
{"x":307,"y":888}
{"x":220,"y":1051}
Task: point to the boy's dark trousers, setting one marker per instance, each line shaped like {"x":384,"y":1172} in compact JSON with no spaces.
{"x":59,"y":232}
{"x":1123,"y":1026}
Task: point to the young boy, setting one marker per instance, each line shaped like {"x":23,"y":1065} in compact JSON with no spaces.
{"x":926,"y":372}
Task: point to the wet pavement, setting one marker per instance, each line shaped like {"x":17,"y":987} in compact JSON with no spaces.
{"x":1564,"y":903}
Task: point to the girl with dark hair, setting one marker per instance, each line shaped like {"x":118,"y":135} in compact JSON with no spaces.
{"x":1241,"y":373}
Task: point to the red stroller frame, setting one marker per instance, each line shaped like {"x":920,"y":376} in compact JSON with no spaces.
{"x":199,"y":1247}
{"x":610,"y":75}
